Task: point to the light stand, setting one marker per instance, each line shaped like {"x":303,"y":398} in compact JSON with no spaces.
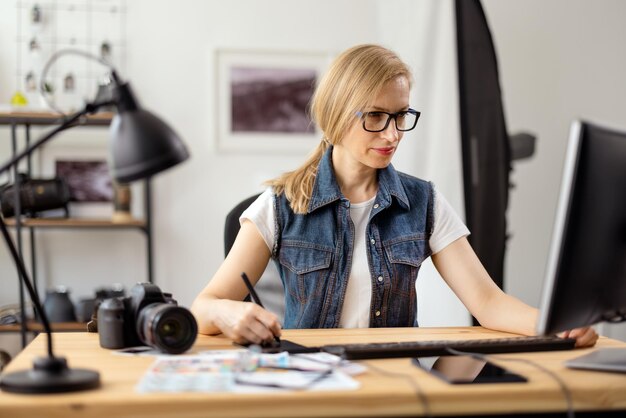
{"x":142,"y":145}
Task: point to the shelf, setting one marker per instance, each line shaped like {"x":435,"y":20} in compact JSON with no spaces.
{"x":26,"y":120}
{"x":34,"y":326}
{"x":76,"y":223}
{"x":48,"y":118}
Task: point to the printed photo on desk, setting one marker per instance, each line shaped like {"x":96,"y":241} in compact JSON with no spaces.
{"x":262,"y":99}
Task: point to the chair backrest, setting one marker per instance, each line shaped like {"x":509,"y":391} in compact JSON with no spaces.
{"x":231,"y":226}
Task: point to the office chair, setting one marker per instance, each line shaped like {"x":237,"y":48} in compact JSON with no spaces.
{"x":269,"y":287}
{"x":231,"y":227}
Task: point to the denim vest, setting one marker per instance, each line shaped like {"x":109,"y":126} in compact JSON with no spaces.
{"x":313,"y":251}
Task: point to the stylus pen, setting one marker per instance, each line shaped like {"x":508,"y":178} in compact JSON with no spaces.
{"x":254,"y":296}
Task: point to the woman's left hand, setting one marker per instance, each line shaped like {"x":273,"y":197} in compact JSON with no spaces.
{"x":585,"y":337}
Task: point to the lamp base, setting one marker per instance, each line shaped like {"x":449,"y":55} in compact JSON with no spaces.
{"x":50,"y":375}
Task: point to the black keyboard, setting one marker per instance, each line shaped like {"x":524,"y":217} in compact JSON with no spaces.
{"x":439,"y":348}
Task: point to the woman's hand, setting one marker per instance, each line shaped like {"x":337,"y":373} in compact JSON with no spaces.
{"x":219,"y":307}
{"x":585,"y":337}
{"x":246,"y":322}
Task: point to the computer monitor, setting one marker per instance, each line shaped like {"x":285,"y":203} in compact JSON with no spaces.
{"x":586,"y":273}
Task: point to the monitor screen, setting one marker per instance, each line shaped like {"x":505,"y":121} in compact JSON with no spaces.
{"x":585,"y":279}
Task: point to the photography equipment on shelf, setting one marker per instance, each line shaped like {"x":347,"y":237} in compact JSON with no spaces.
{"x":116,"y":290}
{"x":58,"y":305}
{"x":146,"y":317}
{"x":86,"y":308}
{"x":36,"y":195}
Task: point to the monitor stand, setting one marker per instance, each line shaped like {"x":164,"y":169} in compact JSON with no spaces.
{"x":604,"y":359}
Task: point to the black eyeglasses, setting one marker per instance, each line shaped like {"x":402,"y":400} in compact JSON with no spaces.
{"x":378,"y":121}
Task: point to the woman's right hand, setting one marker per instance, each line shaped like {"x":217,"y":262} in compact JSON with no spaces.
{"x":246,"y":322}
{"x":219,"y":307}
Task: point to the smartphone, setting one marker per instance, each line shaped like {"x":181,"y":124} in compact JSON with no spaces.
{"x":466,"y":370}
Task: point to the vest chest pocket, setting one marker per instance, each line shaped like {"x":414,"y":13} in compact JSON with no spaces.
{"x":307,"y":267}
{"x":405,"y":256}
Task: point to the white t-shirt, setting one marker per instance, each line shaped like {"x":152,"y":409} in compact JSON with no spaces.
{"x":447,"y":228}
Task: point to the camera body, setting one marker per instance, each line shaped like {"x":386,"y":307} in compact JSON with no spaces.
{"x":146,"y":317}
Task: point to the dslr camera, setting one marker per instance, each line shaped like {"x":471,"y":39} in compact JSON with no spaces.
{"x":146,"y":317}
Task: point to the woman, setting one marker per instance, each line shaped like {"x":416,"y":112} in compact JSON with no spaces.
{"x":347,"y":231}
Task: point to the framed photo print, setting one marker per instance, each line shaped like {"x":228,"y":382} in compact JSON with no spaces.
{"x":263,"y":100}
{"x":88,"y":181}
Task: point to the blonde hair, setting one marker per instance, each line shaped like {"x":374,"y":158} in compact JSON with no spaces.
{"x":352,"y":82}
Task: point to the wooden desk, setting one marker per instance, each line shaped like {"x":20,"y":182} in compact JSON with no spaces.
{"x":381,"y":394}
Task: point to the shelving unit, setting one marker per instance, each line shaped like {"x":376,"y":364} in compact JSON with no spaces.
{"x":27,"y":120}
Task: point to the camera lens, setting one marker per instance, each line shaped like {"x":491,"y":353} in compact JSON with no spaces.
{"x":167,"y":327}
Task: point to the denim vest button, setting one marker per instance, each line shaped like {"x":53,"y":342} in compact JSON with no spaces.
{"x":380,"y":278}
{"x":373,"y":241}
{"x":376,"y":206}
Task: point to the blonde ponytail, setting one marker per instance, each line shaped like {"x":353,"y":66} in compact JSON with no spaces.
{"x":298,"y":184}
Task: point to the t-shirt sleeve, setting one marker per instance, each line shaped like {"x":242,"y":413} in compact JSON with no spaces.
{"x":261,"y":214}
{"x":448,"y":226}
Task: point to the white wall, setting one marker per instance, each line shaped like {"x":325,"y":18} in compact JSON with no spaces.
{"x":547,"y":52}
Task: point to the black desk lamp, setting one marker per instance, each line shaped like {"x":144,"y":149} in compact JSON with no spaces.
{"x":141,"y":146}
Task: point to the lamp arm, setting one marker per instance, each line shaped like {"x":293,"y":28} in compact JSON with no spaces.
{"x":31,"y":291}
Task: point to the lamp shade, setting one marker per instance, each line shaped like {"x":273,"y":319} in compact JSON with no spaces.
{"x":141,"y":143}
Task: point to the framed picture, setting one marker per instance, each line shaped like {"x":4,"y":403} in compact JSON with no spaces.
{"x":263,"y":99}
{"x":84,"y":167}
{"x":88,"y":181}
